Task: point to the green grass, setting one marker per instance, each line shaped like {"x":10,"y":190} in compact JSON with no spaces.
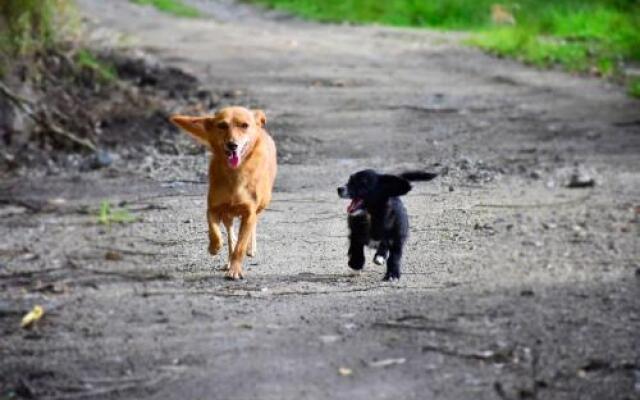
{"x":26,"y":25}
{"x":108,"y":215}
{"x":174,"y":7}
{"x":86,"y":59}
{"x":634,"y":87}
{"x":595,"y":36}
{"x":452,"y":14}
{"x":31,"y":27}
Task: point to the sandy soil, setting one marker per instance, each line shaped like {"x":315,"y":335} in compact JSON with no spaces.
{"x":515,"y":286}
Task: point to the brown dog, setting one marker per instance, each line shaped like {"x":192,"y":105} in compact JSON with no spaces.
{"x":241,"y":176}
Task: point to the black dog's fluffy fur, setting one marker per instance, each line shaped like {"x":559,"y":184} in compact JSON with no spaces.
{"x":377,"y":217}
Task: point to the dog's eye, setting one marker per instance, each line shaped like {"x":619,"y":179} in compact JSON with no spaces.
{"x":244,"y":125}
{"x":223,"y":125}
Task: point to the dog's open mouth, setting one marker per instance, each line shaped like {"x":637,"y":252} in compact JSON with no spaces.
{"x":355,"y":206}
{"x":233,"y":158}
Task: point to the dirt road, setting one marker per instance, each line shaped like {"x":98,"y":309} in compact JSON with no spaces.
{"x":514,"y":285}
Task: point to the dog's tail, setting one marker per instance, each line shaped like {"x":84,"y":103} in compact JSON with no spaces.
{"x":417,"y":175}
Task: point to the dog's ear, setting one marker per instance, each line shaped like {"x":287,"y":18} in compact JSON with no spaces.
{"x":394,"y":186}
{"x":261,"y":118}
{"x":197,"y":127}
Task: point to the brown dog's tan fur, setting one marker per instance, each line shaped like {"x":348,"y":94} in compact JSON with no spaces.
{"x":243,"y":191}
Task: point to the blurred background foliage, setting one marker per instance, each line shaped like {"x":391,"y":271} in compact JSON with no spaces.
{"x":28,"y":27}
{"x":600,"y":37}
{"x":596,"y":36}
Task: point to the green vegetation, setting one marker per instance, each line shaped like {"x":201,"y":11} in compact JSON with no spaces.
{"x":594,"y":36}
{"x":25,"y":25}
{"x":634,"y":87}
{"x":108,"y":216}
{"x":451,"y":14}
{"x":31,"y":27}
{"x":86,"y":59}
{"x":174,"y":7}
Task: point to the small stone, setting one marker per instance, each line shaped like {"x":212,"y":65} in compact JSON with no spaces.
{"x":580,"y":180}
{"x":592,"y":135}
{"x":387,"y":362}
{"x":328,"y":339}
{"x":451,"y":188}
{"x":231,"y":94}
{"x":57,"y":201}
{"x":101,"y":159}
{"x":579,"y":231}
{"x":112,"y":255}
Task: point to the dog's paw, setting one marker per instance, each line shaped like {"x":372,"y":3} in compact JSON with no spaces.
{"x":251,"y":252}
{"x":234,"y":272}
{"x":356,"y":263}
{"x":391,"y":277}
{"x":225,"y":267}
{"x":214,"y":248}
{"x":378,"y":259}
{"x":233,"y":275}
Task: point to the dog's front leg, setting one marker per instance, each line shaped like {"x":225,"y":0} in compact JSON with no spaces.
{"x":252,"y":249}
{"x":356,"y":254}
{"x":381,"y":253}
{"x":393,"y":263}
{"x":215,"y":237}
{"x":247,"y":227}
{"x":231,"y":238}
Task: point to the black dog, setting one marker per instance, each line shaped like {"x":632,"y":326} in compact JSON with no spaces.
{"x":377,"y":218}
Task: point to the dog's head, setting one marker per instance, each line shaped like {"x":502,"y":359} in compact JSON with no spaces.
{"x":368,"y":188}
{"x":231,"y":132}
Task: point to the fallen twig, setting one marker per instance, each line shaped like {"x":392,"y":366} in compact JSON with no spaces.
{"x":535,"y":205}
{"x":114,"y":380}
{"x":422,"y":327}
{"x":502,"y":356}
{"x":130,"y":252}
{"x":142,"y":275}
{"x":145,"y":275}
{"x":129,"y":385}
{"x":195,"y":182}
{"x":149,"y":207}
{"x":434,"y":110}
{"x":627,"y":123}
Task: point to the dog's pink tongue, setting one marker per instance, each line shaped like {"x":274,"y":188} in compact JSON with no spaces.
{"x":233,"y":160}
{"x":355,"y":203}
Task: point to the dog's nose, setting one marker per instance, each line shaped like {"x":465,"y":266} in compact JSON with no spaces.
{"x":341,"y":191}
{"x":232,"y":146}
